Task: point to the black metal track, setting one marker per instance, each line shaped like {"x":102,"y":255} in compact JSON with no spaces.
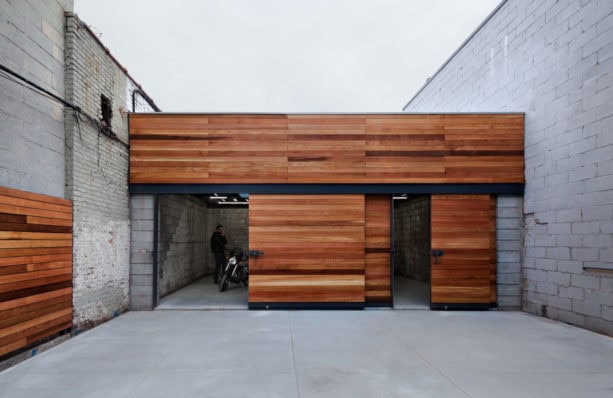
{"x":306,"y":306}
{"x":462,"y":307}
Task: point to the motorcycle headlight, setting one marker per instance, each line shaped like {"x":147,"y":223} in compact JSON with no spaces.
{"x":232,"y":260}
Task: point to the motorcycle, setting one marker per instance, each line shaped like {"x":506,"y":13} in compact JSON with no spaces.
{"x":236,"y":270}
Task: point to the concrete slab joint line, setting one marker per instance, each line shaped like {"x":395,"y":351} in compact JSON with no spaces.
{"x":321,"y":354}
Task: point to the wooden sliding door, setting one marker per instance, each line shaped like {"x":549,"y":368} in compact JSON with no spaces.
{"x":377,"y":250}
{"x":312,"y":250}
{"x":463,"y":243}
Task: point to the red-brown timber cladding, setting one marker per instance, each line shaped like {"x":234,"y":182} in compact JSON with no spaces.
{"x":464,"y":227}
{"x":313,"y":248}
{"x":377,"y":248}
{"x":35,"y":268}
{"x":394,"y":148}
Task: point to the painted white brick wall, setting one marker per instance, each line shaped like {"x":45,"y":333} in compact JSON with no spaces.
{"x":97,"y":178}
{"x":32,"y":126}
{"x":552,"y":60}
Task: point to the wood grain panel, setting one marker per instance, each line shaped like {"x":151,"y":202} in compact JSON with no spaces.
{"x":377,"y":248}
{"x":35,"y":268}
{"x":299,"y":149}
{"x":463,"y":226}
{"x":313,"y":248}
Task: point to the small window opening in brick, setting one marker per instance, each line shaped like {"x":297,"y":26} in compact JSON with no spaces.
{"x":106,"y":109}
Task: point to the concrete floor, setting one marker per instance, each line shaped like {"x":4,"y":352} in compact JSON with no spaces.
{"x":203,"y":294}
{"x":411,"y":294}
{"x":370,"y":353}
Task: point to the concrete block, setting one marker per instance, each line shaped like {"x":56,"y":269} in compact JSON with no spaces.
{"x":509,"y":257}
{"x":559,"y":278}
{"x":561,"y":303}
{"x":547,"y":288}
{"x":569,"y":240}
{"x":505,"y":201}
{"x":573,"y":267}
{"x":571,"y":317}
{"x":571,"y":292}
{"x":508,"y":279}
{"x":586,"y":308}
{"x":536,"y":252}
{"x":603,"y":241}
{"x":141,"y":225}
{"x":545,"y":240}
{"x":142,"y":236}
{"x":536,"y":275}
{"x":604,"y":183}
{"x":607,"y":312}
{"x":508,"y":245}
{"x":585,"y":254}
{"x":140,"y":268}
{"x":599,"y":325}
{"x":558,"y":253}
{"x":141,"y":280}
{"x":508,"y":223}
{"x":141,"y":302}
{"x":585,"y":281}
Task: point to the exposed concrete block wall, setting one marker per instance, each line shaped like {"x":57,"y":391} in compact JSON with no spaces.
{"x":142,"y":216}
{"x":97,"y":176}
{"x":509,"y":248}
{"x":412,"y":238}
{"x":32,"y":126}
{"x":552,"y":60}
{"x":183,"y":242}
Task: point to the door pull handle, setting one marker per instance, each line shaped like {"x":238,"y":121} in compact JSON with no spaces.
{"x":437,"y":253}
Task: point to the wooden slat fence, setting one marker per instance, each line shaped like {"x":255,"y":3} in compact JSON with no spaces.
{"x":35,"y":268}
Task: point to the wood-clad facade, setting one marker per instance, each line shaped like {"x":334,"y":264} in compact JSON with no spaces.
{"x":35,"y":268}
{"x":329,"y":149}
{"x":321,"y":189}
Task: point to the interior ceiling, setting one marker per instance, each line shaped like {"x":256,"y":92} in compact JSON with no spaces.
{"x":226,"y":199}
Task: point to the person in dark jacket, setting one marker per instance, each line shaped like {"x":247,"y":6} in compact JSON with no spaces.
{"x":218,"y":247}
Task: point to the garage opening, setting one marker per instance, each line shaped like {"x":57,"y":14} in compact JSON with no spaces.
{"x":411,"y":220}
{"x":186,"y":264}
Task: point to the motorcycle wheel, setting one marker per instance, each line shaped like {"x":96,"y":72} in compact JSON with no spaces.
{"x":223,"y":284}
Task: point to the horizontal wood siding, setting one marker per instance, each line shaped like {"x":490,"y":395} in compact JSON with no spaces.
{"x":35,"y":268}
{"x":313,"y":248}
{"x":299,"y":149}
{"x":463,"y":226}
{"x":377,"y":248}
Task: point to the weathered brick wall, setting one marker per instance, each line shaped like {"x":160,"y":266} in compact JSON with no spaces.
{"x":96,"y":176}
{"x":32,"y":126}
{"x":183,"y":241}
{"x":553,"y":61}
{"x":412,"y":238}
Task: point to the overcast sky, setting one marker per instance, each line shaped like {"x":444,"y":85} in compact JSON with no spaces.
{"x":282,"y":55}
